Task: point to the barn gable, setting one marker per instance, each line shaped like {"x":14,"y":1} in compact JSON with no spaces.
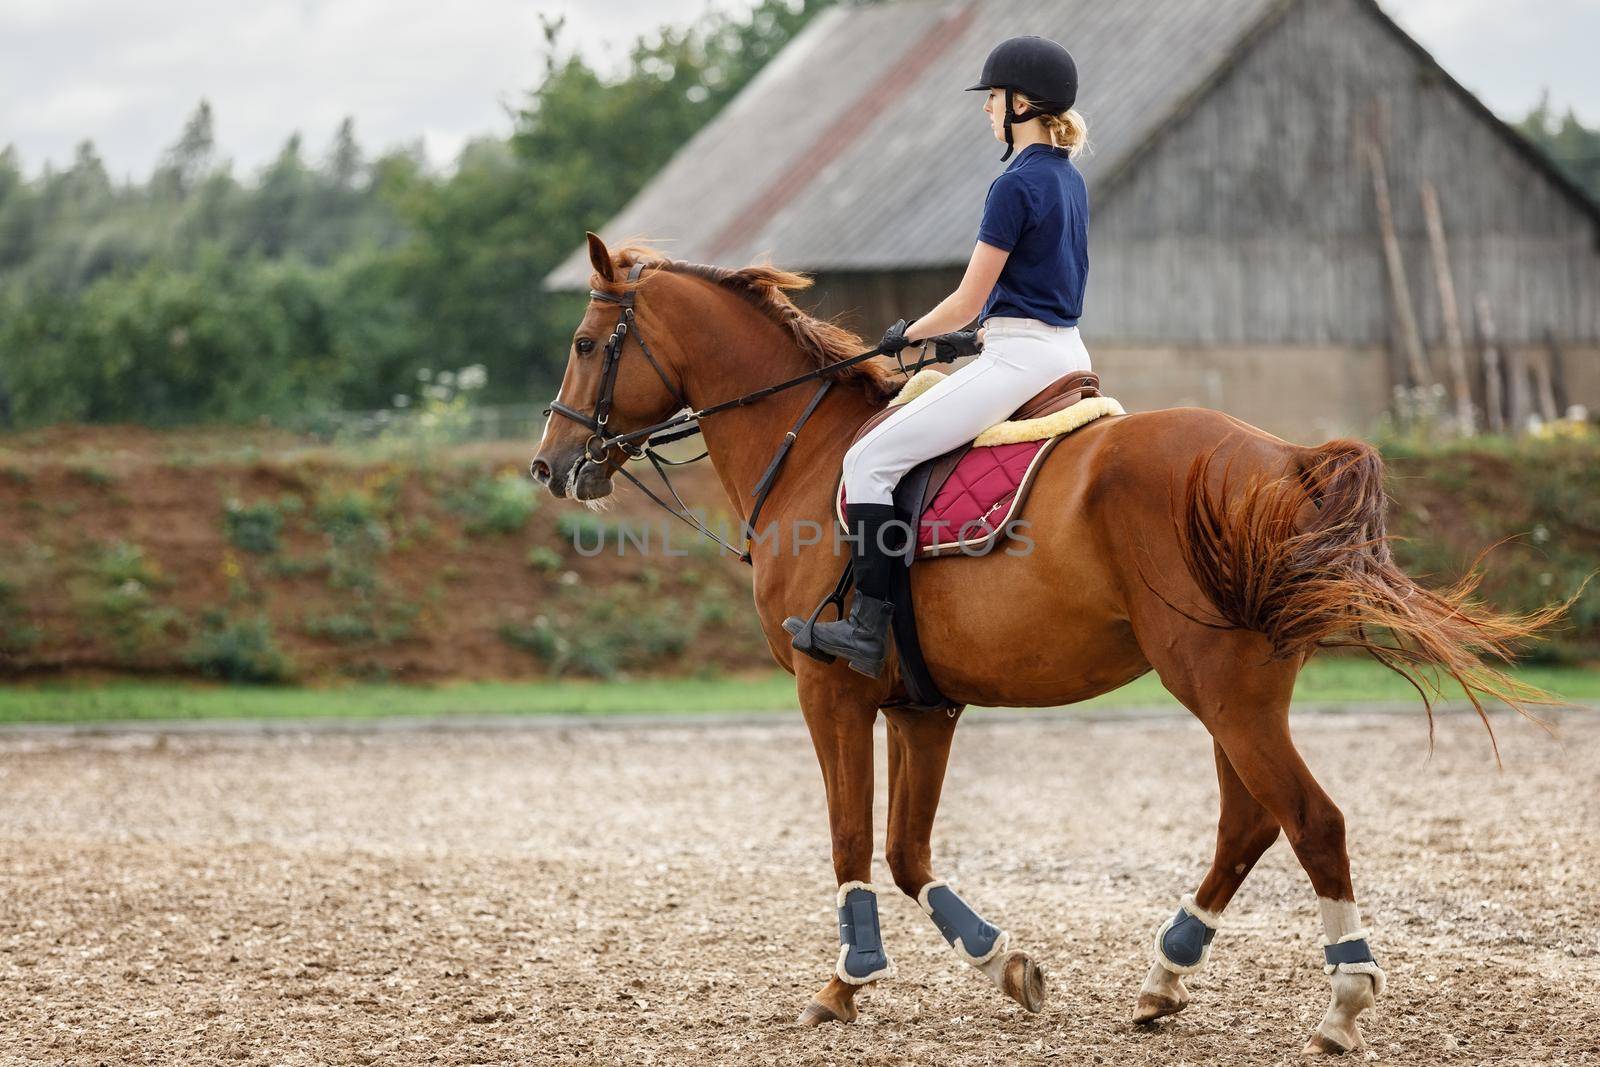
{"x":1248,"y":218}
{"x":856,"y":149}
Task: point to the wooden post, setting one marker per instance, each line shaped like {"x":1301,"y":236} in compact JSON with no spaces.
{"x":1399,"y":290}
{"x":1543,"y":389}
{"x":1493,"y":396}
{"x":1558,"y":371}
{"x":1518,"y":406}
{"x":1448,"y":311}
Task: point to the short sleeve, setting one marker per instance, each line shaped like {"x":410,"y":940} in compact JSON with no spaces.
{"x":1005,"y":213}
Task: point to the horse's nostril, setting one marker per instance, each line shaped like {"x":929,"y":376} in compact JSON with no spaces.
{"x":540,"y":470}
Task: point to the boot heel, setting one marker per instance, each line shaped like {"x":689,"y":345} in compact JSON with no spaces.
{"x":802,"y":640}
{"x":871,"y":670}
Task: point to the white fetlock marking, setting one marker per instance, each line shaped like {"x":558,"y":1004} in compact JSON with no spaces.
{"x":1341,"y":920}
{"x":1352,"y":994}
{"x":1356,"y":986}
{"x":1161,"y":982}
{"x":1211,"y":920}
{"x":1371,"y":970}
{"x":994,"y":964}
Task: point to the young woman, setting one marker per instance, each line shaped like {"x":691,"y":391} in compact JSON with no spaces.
{"x":1025,"y":284}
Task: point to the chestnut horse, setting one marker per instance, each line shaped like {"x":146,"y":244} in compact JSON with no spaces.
{"x":1181,"y":541}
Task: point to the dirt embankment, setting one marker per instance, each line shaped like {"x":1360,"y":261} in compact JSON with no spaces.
{"x":129,"y":551}
{"x":144,"y":554}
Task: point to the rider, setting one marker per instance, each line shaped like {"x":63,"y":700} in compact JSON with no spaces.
{"x":1027,"y":276}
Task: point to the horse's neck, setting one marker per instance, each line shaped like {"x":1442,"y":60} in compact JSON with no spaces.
{"x":742,"y":441}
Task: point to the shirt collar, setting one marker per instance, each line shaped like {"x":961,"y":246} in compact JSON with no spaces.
{"x":1037,"y":148}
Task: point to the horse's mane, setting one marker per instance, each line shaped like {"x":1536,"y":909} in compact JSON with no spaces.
{"x":767,"y":288}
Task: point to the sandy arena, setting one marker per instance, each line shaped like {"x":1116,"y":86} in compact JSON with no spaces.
{"x":664,"y":895}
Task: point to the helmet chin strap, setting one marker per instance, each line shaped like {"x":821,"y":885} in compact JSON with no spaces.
{"x":1031,"y":113}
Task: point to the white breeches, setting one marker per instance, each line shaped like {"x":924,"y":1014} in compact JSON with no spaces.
{"x":1019,"y":358}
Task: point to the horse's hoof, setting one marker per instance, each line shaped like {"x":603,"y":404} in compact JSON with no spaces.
{"x":1322,"y":1045}
{"x":816,"y":1013}
{"x":1152,"y":1006}
{"x":1024,"y":982}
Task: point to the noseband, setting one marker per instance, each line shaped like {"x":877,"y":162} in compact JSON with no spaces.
{"x":642,"y":443}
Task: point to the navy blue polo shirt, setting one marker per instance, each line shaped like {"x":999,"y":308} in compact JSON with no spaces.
{"x":1038,"y":210}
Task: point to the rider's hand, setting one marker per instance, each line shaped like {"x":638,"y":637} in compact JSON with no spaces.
{"x":981,"y":331}
{"x":894,"y":339}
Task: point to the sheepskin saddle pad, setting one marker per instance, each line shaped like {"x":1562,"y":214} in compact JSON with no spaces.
{"x":968,"y":496}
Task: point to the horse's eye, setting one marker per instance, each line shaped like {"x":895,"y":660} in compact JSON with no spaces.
{"x":585,"y":345}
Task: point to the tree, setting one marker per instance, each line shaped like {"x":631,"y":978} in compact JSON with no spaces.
{"x":192,"y":158}
{"x":343,"y":166}
{"x":1574,"y":147}
{"x":199,"y":296}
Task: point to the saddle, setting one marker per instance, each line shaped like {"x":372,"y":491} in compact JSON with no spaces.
{"x":966,"y":497}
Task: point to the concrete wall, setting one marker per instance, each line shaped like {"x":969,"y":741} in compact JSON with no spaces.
{"x":1303,"y":394}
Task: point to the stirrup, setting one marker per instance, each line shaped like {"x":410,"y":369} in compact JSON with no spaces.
{"x":802,"y":631}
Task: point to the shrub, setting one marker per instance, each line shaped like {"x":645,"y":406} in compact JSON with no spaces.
{"x":607,"y":636}
{"x":254,"y":527}
{"x":498,"y":505}
{"x":237,"y":650}
{"x":544,"y":558}
{"x":89,"y":474}
{"x":350,"y":514}
{"x":16,"y":636}
{"x":116,"y":597}
{"x":121,"y":562}
{"x":343,"y":628}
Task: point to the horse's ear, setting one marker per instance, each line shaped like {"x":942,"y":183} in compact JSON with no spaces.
{"x":600,"y":256}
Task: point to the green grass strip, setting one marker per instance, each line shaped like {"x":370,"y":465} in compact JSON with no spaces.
{"x":1353,"y":681}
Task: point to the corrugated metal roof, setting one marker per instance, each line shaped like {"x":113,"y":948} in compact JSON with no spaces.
{"x":857,"y":149}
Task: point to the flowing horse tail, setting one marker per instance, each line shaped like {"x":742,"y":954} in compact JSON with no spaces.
{"x":1304,"y":559}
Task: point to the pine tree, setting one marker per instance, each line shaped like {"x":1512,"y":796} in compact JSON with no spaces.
{"x":192,"y":159}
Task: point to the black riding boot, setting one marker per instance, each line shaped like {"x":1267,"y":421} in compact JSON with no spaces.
{"x":862,"y":637}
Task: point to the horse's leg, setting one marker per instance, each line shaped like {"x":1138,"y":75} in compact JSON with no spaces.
{"x":919,"y":750}
{"x":1273,"y":771}
{"x":1244,"y":831}
{"x":839,"y":712}
{"x":1243,"y":699}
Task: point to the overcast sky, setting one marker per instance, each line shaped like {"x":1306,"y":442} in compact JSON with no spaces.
{"x":125,"y":74}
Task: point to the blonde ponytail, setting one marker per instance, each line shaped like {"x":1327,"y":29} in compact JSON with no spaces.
{"x":1066,"y":129}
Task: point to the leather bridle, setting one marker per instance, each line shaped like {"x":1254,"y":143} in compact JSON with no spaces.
{"x":601,"y":417}
{"x":642,"y":443}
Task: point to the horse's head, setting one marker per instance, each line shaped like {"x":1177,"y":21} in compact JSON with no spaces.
{"x":616,"y":381}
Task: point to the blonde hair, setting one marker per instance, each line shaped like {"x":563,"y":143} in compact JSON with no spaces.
{"x":1066,"y":129}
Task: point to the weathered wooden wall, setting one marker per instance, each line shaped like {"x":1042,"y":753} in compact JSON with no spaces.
{"x":1236,"y":263}
{"x":1252,"y":221}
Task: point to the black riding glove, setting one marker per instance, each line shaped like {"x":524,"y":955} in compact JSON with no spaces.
{"x":894,"y":339}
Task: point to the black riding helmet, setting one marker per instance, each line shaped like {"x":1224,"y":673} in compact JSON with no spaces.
{"x":1036,"y":66}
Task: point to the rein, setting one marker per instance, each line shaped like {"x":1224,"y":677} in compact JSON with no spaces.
{"x":642,"y":443}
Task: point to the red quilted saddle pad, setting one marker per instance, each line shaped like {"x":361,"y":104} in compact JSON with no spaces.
{"x":981,"y":496}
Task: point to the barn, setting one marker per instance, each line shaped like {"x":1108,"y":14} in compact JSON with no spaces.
{"x":1259,"y":171}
